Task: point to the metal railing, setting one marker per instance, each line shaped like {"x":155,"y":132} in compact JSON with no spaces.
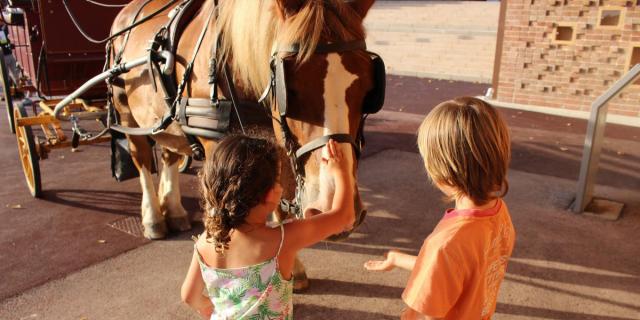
{"x":595,"y":136}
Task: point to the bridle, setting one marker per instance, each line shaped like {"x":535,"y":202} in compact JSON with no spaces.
{"x":277,"y":91}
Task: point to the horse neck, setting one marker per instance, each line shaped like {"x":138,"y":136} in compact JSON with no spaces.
{"x":248,"y":32}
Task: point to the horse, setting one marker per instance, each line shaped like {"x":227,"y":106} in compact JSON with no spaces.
{"x":307,"y":54}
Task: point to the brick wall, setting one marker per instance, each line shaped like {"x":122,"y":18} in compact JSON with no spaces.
{"x":566,"y":53}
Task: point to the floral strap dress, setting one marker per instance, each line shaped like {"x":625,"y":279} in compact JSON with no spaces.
{"x":250,"y":293}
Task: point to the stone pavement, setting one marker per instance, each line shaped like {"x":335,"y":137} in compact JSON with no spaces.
{"x":436,"y":39}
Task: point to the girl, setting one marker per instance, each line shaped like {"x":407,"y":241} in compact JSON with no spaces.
{"x":245,"y":266}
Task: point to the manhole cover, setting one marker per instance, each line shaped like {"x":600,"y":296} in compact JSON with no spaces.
{"x":130,"y":225}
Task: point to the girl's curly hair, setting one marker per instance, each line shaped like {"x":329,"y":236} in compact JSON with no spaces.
{"x":232,"y":181}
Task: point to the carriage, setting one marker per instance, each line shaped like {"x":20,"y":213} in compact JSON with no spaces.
{"x":54,"y":46}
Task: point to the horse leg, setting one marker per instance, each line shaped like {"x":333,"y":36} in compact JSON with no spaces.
{"x":152,"y":220}
{"x":169,"y":193}
{"x":300,"y":280}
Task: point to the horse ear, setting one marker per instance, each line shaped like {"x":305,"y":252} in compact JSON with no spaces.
{"x":289,"y":7}
{"x":361,"y":6}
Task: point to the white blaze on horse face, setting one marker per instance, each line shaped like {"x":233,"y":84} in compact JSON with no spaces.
{"x":336,"y":120}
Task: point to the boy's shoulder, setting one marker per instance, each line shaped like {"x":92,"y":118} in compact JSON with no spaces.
{"x":453,"y":233}
{"x":447,"y":235}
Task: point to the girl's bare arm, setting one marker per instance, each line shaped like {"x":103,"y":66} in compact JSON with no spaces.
{"x":192,"y":289}
{"x":306,"y":232}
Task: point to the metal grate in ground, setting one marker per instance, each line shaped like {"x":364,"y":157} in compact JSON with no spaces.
{"x":130,"y":225}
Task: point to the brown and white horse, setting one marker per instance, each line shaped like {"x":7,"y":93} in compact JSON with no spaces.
{"x":325,"y":91}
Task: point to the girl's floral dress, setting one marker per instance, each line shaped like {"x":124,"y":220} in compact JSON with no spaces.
{"x":250,"y":293}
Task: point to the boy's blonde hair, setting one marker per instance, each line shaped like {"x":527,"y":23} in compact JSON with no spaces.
{"x":465,"y":144}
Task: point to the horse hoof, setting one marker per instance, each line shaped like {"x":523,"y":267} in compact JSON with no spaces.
{"x":179,"y":224}
{"x":300,"y":283}
{"x":155,"y":231}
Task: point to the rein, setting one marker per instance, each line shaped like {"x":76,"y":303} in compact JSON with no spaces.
{"x":111,"y":37}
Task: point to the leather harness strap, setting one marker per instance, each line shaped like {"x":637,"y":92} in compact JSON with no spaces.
{"x":278,"y":86}
{"x":170,"y":114}
{"x":278,"y":89}
{"x":322,"y":141}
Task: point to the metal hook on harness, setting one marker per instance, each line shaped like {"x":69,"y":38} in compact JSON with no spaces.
{"x":77,"y":132}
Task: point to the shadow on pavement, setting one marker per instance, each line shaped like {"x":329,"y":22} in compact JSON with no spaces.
{"x":114,"y":202}
{"x":309,"y":311}
{"x":353,"y":289}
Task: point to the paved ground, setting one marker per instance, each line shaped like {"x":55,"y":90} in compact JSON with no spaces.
{"x":436,"y":39}
{"x":565,"y":266}
{"x":61,"y":259}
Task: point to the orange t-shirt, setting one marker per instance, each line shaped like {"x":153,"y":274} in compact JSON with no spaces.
{"x":461,"y":264}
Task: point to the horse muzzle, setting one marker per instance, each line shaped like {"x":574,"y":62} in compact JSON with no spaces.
{"x":361,"y":214}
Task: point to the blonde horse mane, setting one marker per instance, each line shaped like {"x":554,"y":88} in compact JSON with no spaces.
{"x":250,"y":30}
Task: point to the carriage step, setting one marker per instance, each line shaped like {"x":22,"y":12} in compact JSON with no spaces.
{"x":130,"y":225}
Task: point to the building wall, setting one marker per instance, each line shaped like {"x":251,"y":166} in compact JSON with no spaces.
{"x":543,"y":64}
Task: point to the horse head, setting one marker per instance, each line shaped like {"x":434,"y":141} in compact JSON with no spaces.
{"x":319,"y":74}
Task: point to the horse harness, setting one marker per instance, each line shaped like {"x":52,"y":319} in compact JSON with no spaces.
{"x":373,"y":102}
{"x":210,"y":117}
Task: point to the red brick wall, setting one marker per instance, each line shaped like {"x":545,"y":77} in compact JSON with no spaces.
{"x":538,"y":70}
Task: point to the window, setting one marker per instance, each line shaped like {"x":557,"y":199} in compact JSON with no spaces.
{"x":611,"y":17}
{"x":634,"y":59}
{"x":564,"y":33}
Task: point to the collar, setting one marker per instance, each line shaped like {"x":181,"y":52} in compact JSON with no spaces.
{"x":477,"y":213}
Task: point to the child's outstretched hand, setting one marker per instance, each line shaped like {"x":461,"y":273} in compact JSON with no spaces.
{"x":334,"y":159}
{"x":381,"y":265}
{"x":393,"y":259}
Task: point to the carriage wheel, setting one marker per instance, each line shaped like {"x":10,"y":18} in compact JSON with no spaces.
{"x":6,"y":91}
{"x":28,"y":154}
{"x":184,"y":164}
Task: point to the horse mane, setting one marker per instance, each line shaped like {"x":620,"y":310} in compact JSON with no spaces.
{"x":251,"y":30}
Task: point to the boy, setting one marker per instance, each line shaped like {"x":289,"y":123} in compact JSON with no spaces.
{"x":466,"y":150}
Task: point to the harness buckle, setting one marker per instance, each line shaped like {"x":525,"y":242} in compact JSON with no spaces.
{"x":157,"y":130}
{"x":289,"y":207}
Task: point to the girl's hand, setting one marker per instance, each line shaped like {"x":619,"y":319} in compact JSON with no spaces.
{"x":381,"y":265}
{"x":334,"y":161}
